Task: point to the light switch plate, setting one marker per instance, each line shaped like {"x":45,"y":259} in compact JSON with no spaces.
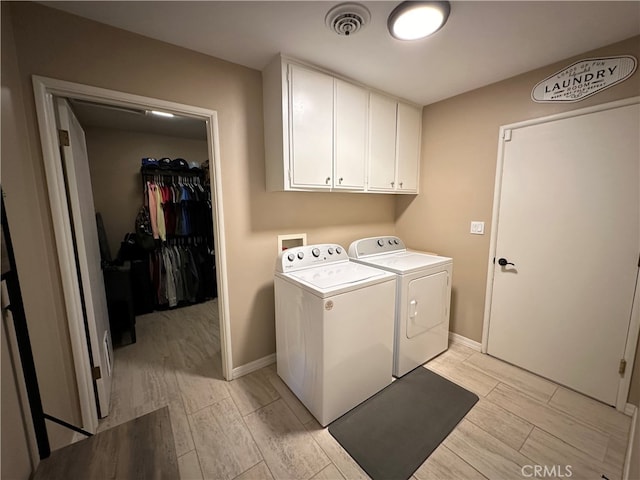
{"x":477,"y":228}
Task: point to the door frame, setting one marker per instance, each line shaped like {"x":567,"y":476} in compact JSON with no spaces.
{"x":634,"y":321}
{"x":44,"y":91}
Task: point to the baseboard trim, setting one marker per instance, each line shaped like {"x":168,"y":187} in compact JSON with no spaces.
{"x":630,"y":409}
{"x":76,"y":437}
{"x":632,"y":433}
{"x":253,"y":366}
{"x":467,"y":342}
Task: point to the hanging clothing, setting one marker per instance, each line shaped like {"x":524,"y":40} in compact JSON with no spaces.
{"x":182,"y":274}
{"x":181,"y":267}
{"x":170,"y":285}
{"x":162,"y":233}
{"x":151,"y":193}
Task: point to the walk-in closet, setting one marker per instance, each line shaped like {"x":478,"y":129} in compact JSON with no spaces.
{"x":152,"y":195}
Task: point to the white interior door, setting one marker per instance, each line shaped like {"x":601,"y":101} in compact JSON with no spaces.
{"x":569,"y":221}
{"x":80,"y":197}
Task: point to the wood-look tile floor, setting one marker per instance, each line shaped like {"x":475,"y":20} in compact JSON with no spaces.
{"x":255,"y":428}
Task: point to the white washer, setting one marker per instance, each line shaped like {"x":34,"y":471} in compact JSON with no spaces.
{"x":334,"y":328}
{"x":423,"y":298}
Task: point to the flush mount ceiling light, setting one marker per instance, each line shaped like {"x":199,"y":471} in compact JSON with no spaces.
{"x":416,"y":20}
{"x":161,"y":114}
{"x":347,"y":18}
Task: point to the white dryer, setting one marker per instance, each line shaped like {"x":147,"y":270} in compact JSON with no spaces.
{"x":334,"y":328}
{"x":422,"y":300}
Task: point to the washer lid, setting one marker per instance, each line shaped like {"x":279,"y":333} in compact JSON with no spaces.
{"x":339,"y":276}
{"x":405,"y":262}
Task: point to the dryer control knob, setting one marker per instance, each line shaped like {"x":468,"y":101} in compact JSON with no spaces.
{"x":381,"y":242}
{"x":330,"y":250}
{"x":291,"y":257}
{"x":316,"y":252}
{"x":390,"y":242}
{"x":396,"y":242}
{"x":300,"y":255}
{"x":338,"y":250}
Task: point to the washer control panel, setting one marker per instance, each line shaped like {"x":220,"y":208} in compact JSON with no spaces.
{"x":297,"y":258}
{"x":375,"y":245}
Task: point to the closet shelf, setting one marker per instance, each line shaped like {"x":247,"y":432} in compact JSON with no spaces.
{"x":156,"y":171}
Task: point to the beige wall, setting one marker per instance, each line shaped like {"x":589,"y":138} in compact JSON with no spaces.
{"x":114,"y":161}
{"x":55,"y":44}
{"x":459,"y":152}
{"x":30,"y":225}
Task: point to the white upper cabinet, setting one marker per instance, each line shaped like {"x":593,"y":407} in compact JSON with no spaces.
{"x":382,"y":142}
{"x":350,"y":135}
{"x":394,"y":145}
{"x":409,"y":128}
{"x":326,"y":133}
{"x":311,"y":140}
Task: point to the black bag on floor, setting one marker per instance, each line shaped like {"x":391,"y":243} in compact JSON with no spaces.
{"x":143,"y":294}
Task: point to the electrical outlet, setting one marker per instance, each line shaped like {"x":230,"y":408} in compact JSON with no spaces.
{"x":477,"y":228}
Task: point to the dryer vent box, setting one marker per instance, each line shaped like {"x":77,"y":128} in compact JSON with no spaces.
{"x":291,"y":240}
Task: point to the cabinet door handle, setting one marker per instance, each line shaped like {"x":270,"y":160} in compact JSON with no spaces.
{"x":340,"y":180}
{"x":327,"y":180}
{"x":400,"y":184}
{"x":393,"y":184}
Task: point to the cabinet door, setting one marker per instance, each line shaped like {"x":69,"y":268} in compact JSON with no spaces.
{"x":350,"y":135}
{"x":408,"y":135}
{"x":382,"y":142}
{"x":311,"y":124}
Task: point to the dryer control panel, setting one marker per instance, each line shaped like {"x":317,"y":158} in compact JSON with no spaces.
{"x":297,"y":258}
{"x":375,"y":245}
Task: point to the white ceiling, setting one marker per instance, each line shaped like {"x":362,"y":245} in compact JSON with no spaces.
{"x":483,"y":42}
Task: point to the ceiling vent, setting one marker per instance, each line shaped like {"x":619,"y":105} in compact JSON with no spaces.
{"x":347,"y":18}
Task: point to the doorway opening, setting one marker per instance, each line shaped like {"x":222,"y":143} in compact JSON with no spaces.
{"x":97,"y":108}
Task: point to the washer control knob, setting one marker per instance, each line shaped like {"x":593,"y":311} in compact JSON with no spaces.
{"x":381,"y":243}
{"x":338,"y":250}
{"x":390,"y":242}
{"x":291,"y":257}
{"x":330,"y":250}
{"x":316,"y":252}
{"x":396,"y":241}
{"x":300,"y":255}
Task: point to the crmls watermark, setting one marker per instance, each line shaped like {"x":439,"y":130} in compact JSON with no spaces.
{"x":547,"y":471}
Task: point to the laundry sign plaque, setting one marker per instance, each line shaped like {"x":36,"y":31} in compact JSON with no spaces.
{"x":583,"y":79}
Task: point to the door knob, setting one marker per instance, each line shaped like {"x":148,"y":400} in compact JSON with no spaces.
{"x":503,"y":262}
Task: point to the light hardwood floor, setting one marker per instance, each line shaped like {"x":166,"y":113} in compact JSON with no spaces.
{"x":255,"y":428}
